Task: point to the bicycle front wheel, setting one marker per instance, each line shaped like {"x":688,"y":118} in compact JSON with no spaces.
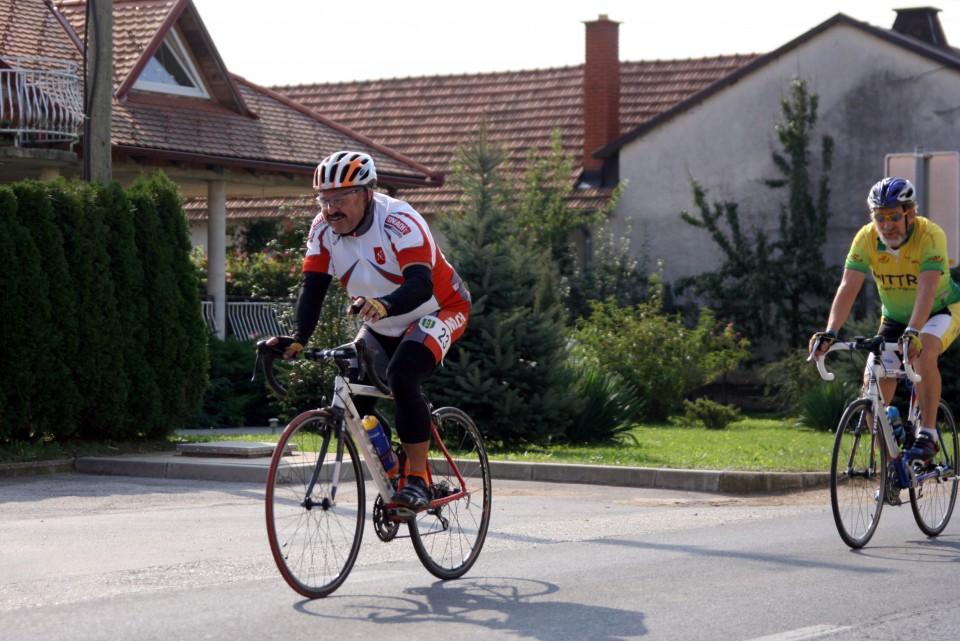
{"x":933,"y":499}
{"x":858,"y":474}
{"x":315,"y":508}
{"x":449,"y":534}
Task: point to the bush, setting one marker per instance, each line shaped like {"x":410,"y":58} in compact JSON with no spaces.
{"x":822,"y":407}
{"x":113,"y":310}
{"x":607,"y":404}
{"x":656,"y":353}
{"x":713,"y":415}
{"x":309,"y":384}
{"x":264,"y":274}
{"x":233,"y":400}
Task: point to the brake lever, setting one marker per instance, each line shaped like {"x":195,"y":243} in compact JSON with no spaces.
{"x":256,"y":365}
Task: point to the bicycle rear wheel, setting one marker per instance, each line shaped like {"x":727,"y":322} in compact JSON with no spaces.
{"x":858,"y":474}
{"x":448,"y":535}
{"x":932,"y":501}
{"x":315,"y":508}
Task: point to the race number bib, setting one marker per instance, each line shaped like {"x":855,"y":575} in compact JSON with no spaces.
{"x":436,"y":329}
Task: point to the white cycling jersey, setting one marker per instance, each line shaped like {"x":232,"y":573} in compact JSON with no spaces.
{"x":371,"y":264}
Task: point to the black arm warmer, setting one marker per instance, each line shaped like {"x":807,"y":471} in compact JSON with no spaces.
{"x":309,"y":303}
{"x":417,"y":288}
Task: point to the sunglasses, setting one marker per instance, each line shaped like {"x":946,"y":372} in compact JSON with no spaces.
{"x":327,"y":203}
{"x":882,"y":218}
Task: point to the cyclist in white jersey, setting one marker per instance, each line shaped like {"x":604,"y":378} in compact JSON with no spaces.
{"x":413,"y":303}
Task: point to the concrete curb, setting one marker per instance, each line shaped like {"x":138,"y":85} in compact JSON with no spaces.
{"x":171,"y":465}
{"x":716,"y":481}
{"x":36,"y":468}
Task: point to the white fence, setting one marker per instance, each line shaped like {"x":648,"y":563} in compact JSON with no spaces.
{"x":41,"y":100}
{"x":246,"y":321}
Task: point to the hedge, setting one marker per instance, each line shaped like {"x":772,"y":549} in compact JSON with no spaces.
{"x":104,"y":335}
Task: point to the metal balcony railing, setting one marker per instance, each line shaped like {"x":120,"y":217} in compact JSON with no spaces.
{"x":41,"y":101}
{"x":250,"y":320}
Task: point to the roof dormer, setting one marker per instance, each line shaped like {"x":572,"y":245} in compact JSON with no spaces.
{"x":171,"y":70}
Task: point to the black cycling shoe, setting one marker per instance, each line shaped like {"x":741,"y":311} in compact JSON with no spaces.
{"x":924,"y":448}
{"x":415,"y":494}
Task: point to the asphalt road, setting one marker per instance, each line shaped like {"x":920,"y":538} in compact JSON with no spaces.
{"x":116,"y":558}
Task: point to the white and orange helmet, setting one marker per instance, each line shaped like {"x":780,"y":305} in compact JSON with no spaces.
{"x":345,"y":169}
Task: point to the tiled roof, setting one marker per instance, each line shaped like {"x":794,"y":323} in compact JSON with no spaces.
{"x":427,"y":117}
{"x":135,"y":25}
{"x":28,"y":29}
{"x":244,"y":127}
{"x":257,"y":208}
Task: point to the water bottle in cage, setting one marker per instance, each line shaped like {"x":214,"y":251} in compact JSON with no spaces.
{"x":381,"y":445}
{"x":896,"y":423}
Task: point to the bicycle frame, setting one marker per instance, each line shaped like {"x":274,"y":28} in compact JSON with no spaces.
{"x":907,"y":476}
{"x":343,"y":392}
{"x":873,"y":393}
{"x":343,"y":401}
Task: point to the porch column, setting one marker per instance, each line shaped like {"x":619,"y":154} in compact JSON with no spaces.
{"x":217,"y":252}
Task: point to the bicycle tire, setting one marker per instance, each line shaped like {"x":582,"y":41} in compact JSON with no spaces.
{"x":448,"y":538}
{"x":858,"y":474}
{"x":314,"y":540}
{"x":933,"y":500}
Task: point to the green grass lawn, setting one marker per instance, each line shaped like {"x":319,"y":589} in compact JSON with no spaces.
{"x":749,"y":445}
{"x":753,"y":444}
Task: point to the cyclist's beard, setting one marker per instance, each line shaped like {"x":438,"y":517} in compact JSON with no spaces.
{"x":895,"y":242}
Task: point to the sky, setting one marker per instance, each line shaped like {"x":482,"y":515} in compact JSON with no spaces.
{"x":290,"y":42}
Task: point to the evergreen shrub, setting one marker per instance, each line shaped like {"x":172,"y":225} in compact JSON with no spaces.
{"x":100,"y":312}
{"x":713,"y":415}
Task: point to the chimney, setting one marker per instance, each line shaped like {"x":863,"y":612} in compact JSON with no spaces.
{"x":601,"y":90}
{"x":921,"y":23}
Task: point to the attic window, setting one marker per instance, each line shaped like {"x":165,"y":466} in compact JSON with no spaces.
{"x":171,"y":71}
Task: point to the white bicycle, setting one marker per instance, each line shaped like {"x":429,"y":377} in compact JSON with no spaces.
{"x":871,"y":467}
{"x":316,"y":498}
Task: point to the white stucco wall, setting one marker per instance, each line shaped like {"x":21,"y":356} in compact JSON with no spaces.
{"x":875,"y":98}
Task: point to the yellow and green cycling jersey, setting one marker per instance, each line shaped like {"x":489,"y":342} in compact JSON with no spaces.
{"x":897,"y":271}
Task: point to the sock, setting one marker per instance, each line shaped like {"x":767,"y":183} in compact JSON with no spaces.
{"x":421,"y":475}
{"x":929,"y":431}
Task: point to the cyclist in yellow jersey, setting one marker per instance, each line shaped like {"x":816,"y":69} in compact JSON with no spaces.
{"x":907,"y":256}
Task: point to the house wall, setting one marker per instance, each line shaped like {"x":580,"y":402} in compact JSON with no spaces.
{"x":875,"y":98}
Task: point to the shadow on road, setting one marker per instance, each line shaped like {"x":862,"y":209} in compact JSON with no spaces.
{"x":527,"y":608}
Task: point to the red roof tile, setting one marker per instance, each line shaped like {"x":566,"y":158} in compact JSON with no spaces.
{"x":427,"y":117}
{"x":29,"y":29}
{"x":243,"y":126}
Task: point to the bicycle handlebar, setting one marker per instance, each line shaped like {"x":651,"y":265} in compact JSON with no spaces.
{"x":874,"y":345}
{"x":267,"y":354}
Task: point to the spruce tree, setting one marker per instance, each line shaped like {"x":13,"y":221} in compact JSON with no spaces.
{"x":508,"y":370}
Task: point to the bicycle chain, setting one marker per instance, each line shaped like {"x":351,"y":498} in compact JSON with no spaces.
{"x":386,"y":529}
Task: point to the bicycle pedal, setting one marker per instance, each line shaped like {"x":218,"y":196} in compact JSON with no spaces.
{"x":400,"y":513}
